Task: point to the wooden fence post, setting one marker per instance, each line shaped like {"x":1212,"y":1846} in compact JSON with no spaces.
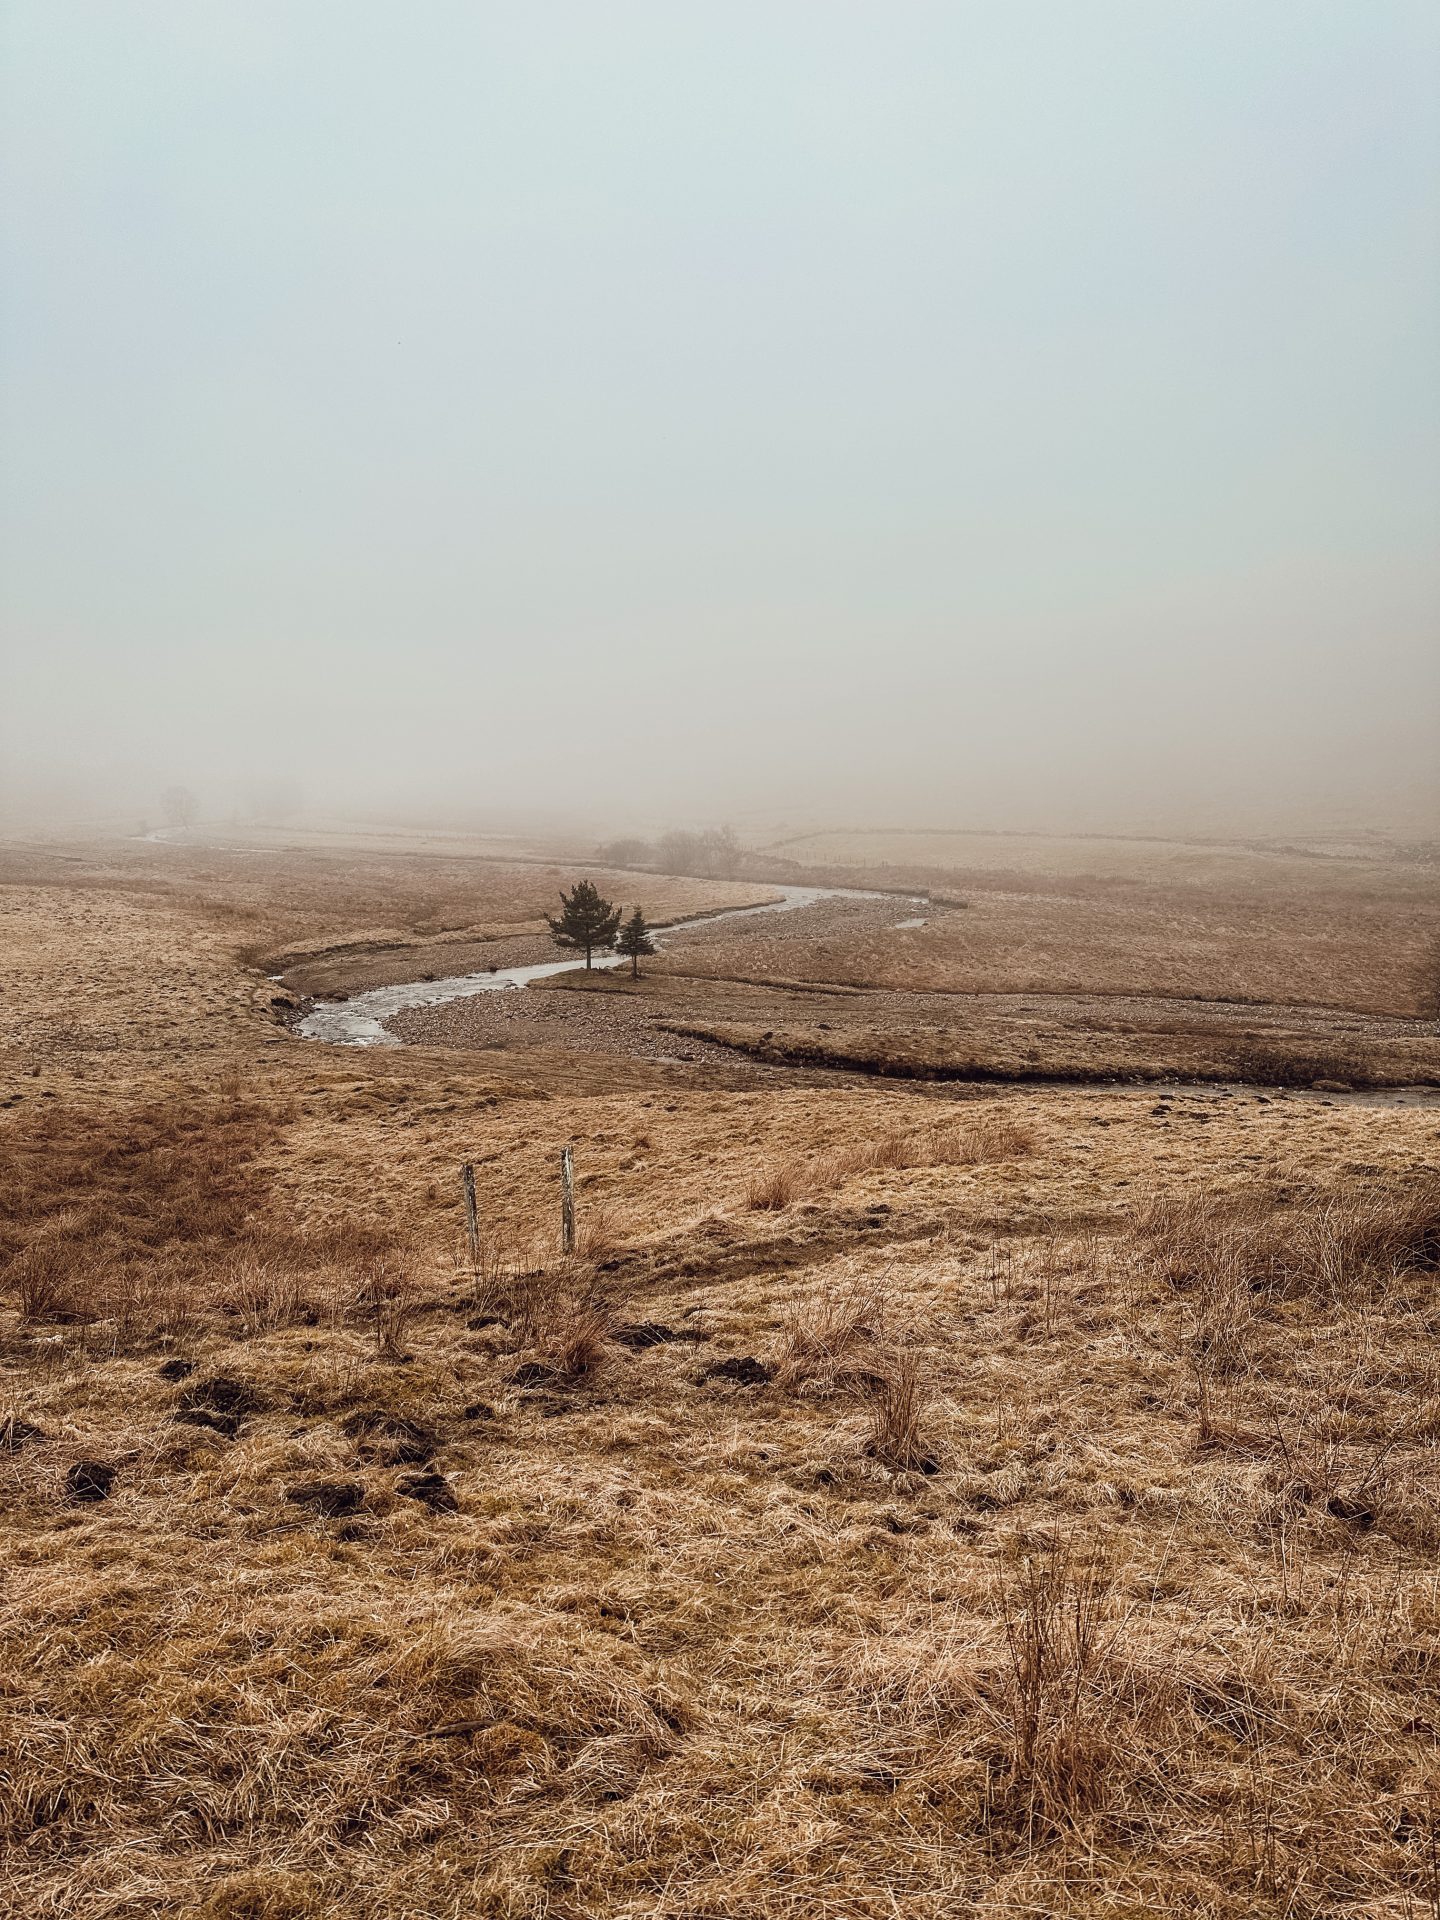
{"x":567,"y":1200}
{"x":472,"y":1220}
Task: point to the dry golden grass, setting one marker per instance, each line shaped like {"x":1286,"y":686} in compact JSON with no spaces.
{"x":1373,"y":951}
{"x":953,"y":1143}
{"x":1217,"y":862}
{"x":938,"y":1037}
{"x":115,"y":956}
{"x":1037,"y":1515}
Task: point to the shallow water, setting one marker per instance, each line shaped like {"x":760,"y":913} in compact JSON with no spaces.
{"x":360,"y":1021}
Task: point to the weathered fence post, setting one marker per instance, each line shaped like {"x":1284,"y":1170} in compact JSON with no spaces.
{"x":472,"y":1220}
{"x":567,"y":1200}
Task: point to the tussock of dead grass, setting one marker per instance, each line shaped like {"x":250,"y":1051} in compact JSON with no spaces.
{"x":1313,"y":1242}
{"x":835,"y":1340}
{"x":569,"y":1335}
{"x":951,"y":1143}
{"x":897,"y":1417}
{"x":845,"y":1342}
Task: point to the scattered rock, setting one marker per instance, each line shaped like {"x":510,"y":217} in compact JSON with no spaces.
{"x":431,"y":1489}
{"x":225,"y":1423}
{"x":221,"y":1394}
{"x":89,"y":1480}
{"x":332,"y":1498}
{"x":174,"y":1370}
{"x":743,"y":1372}
{"x":16,"y":1433}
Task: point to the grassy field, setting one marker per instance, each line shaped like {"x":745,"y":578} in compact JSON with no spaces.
{"x":1328,"y":949}
{"x":907,"y":1498}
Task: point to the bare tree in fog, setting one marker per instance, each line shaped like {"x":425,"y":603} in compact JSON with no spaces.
{"x":714,"y":854}
{"x":626,"y":853}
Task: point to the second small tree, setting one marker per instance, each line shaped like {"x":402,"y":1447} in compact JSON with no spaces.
{"x":634,"y":940}
{"x":585,"y":920}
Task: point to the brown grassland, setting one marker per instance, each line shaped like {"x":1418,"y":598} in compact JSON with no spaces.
{"x":908,"y":1498}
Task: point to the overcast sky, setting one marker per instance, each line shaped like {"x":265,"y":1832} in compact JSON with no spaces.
{"x":969,"y":412}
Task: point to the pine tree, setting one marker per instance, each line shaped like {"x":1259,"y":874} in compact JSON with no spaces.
{"x":633,"y":940}
{"x":585,"y":920}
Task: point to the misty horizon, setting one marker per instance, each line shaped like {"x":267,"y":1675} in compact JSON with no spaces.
{"x":655,"y":417}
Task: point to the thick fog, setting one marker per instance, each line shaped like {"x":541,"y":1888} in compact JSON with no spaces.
{"x":963,"y":413}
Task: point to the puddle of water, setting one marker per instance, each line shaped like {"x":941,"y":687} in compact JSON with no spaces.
{"x":360,"y":1022}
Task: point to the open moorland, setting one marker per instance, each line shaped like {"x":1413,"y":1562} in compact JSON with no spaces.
{"x":975,"y":1458}
{"x":1100,"y":959}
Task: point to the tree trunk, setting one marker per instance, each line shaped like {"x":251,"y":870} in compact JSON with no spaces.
{"x":634,"y":966}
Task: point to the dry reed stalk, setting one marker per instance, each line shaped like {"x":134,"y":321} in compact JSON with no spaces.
{"x":42,"y":1278}
{"x":833,"y":1341}
{"x":898,"y":1403}
{"x":1062,"y":1730}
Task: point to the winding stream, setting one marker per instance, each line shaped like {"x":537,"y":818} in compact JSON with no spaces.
{"x":360,"y":1021}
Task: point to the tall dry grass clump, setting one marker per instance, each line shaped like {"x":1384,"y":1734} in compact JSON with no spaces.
{"x":560,"y":1311}
{"x":898,"y":1405}
{"x":844,"y":1342}
{"x":772,"y":1188}
{"x":560,"y":1316}
{"x":569,"y":1336}
{"x":1317,"y":1243}
{"x":1083,"y":1722}
{"x":385,"y":1298}
{"x":44,"y":1277}
{"x":942,"y":1143}
{"x":835,"y":1341}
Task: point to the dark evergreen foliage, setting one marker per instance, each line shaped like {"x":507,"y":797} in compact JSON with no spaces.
{"x":585,"y":921}
{"x":634,"y":940}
